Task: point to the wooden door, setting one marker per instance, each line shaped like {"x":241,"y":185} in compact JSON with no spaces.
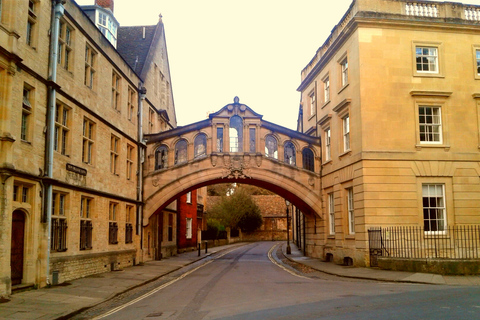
{"x":18,"y":238}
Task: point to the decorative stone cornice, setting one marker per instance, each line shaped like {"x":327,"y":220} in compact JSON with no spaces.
{"x":430,"y":93}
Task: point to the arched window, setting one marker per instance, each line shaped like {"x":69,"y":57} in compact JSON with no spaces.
{"x":200,"y":145}
{"x":181,"y":152}
{"x":236,"y":134}
{"x":271,"y":148}
{"x":161,"y":158}
{"x":308,"y":158}
{"x":289,"y":156}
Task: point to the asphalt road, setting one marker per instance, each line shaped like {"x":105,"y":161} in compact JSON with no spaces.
{"x":245,"y":283}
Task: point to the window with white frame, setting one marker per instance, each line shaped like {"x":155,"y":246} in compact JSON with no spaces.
{"x":430,"y":124}
{"x":328,"y":149}
{"x":108,"y":26}
{"x":434,"y":212}
{"x":326,"y":89}
{"x":311,"y":101}
{"x":189,"y":228}
{"x":426,"y":59}
{"x":331,"y":213}
{"x":344,"y":70}
{"x":351,"y":213}
{"x":346,"y":133}
{"x":189,"y":197}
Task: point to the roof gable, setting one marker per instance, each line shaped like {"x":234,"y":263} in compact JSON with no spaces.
{"x":134,"y":44}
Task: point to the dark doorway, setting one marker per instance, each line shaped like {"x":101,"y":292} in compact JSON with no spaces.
{"x":18,"y":239}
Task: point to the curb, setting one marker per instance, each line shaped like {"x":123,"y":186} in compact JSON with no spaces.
{"x":73,"y":313}
{"x":358,"y":277}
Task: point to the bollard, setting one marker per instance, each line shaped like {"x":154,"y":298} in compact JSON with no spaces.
{"x":199,"y":247}
{"x":206,"y":247}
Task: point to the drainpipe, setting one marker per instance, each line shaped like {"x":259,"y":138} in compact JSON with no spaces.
{"x":141,"y":159}
{"x":57,"y":12}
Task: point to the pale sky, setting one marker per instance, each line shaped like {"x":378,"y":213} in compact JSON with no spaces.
{"x":253,"y":49}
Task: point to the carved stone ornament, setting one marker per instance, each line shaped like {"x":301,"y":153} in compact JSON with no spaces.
{"x":76,"y":179}
{"x":311,"y":181}
{"x":236,"y":169}
{"x":214,"y":159}
{"x":258,"y":160}
{"x":155,"y":181}
{"x":246,"y":160}
{"x":226,"y":160}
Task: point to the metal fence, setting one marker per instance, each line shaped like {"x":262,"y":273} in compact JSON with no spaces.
{"x":458,"y":242}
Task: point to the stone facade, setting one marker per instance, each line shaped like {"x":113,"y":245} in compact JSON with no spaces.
{"x":393,"y":93}
{"x":97,"y":154}
{"x":175,"y":163}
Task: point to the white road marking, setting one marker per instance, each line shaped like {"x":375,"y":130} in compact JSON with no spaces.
{"x":146,"y":295}
{"x":279,"y":265}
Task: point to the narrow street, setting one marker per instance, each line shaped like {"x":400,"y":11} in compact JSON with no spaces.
{"x":251,"y":282}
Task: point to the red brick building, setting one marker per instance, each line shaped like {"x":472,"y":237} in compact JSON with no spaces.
{"x":187,"y":223}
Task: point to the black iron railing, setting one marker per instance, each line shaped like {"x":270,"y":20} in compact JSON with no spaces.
{"x":457,"y":242}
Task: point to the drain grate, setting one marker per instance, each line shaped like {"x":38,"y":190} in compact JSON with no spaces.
{"x":154,"y":315}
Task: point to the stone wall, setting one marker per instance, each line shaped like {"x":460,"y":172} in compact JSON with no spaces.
{"x":444,"y":266}
{"x":88,"y":264}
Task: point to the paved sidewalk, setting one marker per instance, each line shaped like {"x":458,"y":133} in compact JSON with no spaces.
{"x":62,"y":300}
{"x":377,"y":274}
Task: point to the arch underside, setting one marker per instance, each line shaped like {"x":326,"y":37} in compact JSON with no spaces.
{"x":299,"y":186}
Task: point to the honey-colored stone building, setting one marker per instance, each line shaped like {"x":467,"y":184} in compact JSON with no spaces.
{"x":394,"y":95}
{"x":77,"y":93}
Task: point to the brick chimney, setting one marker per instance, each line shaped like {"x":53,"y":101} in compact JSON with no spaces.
{"x":107,"y":4}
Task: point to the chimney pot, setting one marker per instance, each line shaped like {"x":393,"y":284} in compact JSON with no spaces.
{"x":107,"y":4}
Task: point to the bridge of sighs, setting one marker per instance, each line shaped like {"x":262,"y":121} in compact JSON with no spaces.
{"x":233,"y":145}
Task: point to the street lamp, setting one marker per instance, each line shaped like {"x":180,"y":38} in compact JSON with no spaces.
{"x":289,"y":250}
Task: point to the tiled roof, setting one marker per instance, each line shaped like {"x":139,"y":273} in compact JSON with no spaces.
{"x":133,"y":46}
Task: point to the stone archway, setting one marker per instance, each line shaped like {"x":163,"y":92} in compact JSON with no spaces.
{"x":230,"y":158}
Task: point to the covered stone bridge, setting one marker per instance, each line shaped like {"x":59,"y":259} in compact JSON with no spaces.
{"x":233,"y":145}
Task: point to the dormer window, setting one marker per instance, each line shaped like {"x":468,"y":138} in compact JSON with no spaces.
{"x":108,"y":26}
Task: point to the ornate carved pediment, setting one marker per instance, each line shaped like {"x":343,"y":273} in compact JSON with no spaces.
{"x":236,"y":167}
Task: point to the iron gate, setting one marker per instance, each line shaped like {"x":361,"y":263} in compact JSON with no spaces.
{"x":375,"y":245}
